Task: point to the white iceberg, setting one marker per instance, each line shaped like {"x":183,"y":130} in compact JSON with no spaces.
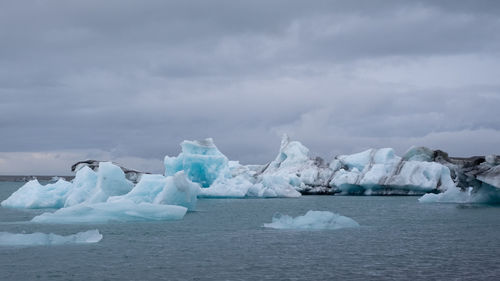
{"x":44,"y":239}
{"x":381,"y":171}
{"x":119,"y":211}
{"x":33,"y":195}
{"x":157,"y":189}
{"x":293,"y":171}
{"x":485,"y":195}
{"x":204,"y":164}
{"x":109,"y":183}
{"x":106,"y":195}
{"x":312,"y":220}
{"x":87,"y":186}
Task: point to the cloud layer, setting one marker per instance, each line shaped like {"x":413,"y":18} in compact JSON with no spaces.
{"x":129,"y":80}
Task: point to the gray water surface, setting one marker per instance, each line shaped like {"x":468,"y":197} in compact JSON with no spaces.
{"x":399,"y":239}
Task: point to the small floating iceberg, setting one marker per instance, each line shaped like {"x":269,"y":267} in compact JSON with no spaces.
{"x":312,"y":220}
{"x":484,"y":195}
{"x":119,"y":211}
{"x":44,"y":239}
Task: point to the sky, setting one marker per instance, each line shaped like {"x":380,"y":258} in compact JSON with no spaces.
{"x":127,"y":81}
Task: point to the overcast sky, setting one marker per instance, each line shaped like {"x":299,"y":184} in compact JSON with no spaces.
{"x":129,"y":80}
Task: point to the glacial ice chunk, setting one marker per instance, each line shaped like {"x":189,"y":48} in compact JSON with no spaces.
{"x":34,"y":195}
{"x":424,"y":176}
{"x":292,"y":153}
{"x":245,"y":185}
{"x":111,"y":181}
{"x":485,"y":194}
{"x":84,"y":185}
{"x":201,"y":160}
{"x":380,"y":171}
{"x":44,"y":239}
{"x":157,"y":189}
{"x":312,"y":220}
{"x":120,"y":211}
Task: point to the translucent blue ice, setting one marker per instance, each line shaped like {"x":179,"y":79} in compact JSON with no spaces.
{"x":202,"y":162}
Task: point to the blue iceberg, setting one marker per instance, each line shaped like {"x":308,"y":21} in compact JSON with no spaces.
{"x":107,"y":195}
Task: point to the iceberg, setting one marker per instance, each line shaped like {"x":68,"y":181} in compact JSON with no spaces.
{"x":382,"y":172}
{"x":201,"y":170}
{"x":297,"y":169}
{"x":204,"y":164}
{"x":312,"y":220}
{"x":157,"y":189}
{"x":200,"y":160}
{"x":87,"y":186}
{"x":107,"y":195}
{"x":484,"y":195}
{"x":294,"y":172}
{"x":118,"y":211}
{"x":33,"y":195}
{"x":476,"y":179}
{"x":107,"y":184}
{"x":43,"y":239}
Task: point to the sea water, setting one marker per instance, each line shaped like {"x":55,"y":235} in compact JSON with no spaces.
{"x":398,"y":238}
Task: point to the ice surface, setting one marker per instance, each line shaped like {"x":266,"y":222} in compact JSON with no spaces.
{"x":157,"y":189}
{"x":111,"y":181}
{"x":106,"y":195}
{"x":119,"y":211}
{"x":43,"y":239}
{"x":34,"y":195}
{"x":205,"y":164}
{"x":202,"y":170}
{"x":373,"y":171}
{"x":201,"y":160}
{"x":380,"y":171}
{"x":87,"y":186}
{"x":486,"y":194}
{"x":312,"y":220}
{"x":84,"y":186}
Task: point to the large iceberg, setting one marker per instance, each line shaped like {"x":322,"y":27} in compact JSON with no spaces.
{"x":312,"y":220}
{"x":107,"y":195}
{"x":476,"y":179}
{"x":201,"y":170}
{"x":44,"y":239}
{"x":293,"y":171}
{"x":204,"y":164}
{"x":87,"y":186}
{"x":381,"y":171}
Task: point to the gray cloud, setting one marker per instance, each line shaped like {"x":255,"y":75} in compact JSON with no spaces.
{"x":129,"y":80}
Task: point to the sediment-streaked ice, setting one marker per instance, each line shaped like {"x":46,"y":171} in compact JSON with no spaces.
{"x":44,"y":239}
{"x":312,"y":220}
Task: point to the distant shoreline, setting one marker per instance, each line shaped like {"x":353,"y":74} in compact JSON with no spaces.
{"x":26,"y":178}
